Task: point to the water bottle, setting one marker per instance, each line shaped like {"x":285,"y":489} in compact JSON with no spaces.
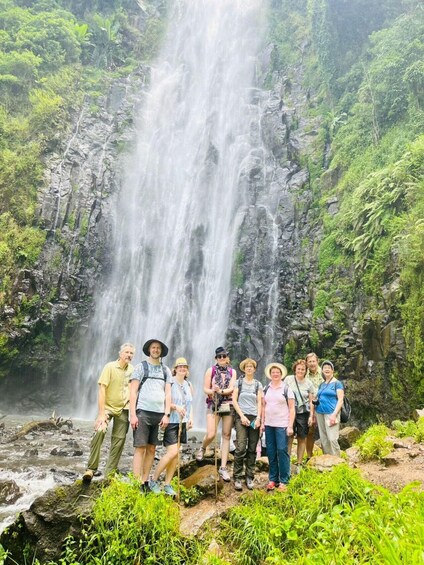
{"x":161,"y":433}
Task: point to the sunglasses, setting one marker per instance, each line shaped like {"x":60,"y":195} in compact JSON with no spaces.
{"x":221,"y":356}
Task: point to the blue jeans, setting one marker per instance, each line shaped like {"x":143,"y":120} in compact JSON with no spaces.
{"x":278,"y":456}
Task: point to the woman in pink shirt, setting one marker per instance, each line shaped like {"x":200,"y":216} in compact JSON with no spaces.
{"x":279,"y":414}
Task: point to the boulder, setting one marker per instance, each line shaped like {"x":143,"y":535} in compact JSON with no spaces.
{"x":348,"y":436}
{"x":42,"y":529}
{"x":204,"y":479}
{"x":353,"y":455}
{"x":418,"y":413}
{"x":325,"y":462}
{"x":9,"y":492}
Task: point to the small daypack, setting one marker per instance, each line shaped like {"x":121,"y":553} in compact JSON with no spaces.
{"x":240,"y":383}
{"x":147,"y":376}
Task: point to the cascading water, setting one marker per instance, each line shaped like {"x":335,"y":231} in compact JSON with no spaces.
{"x":180,"y":205}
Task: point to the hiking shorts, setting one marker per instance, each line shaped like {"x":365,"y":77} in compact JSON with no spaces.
{"x":300,"y":427}
{"x":171,"y":434}
{"x":146,"y":432}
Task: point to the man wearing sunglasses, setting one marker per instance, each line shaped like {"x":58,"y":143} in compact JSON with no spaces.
{"x":218,"y":385}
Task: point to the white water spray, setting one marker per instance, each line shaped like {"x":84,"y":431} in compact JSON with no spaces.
{"x":178,"y":211}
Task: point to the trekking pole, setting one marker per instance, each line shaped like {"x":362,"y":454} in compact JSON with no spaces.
{"x":180,"y":427}
{"x":216,"y":446}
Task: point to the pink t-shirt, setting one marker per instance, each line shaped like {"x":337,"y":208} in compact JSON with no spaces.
{"x":276,"y":408}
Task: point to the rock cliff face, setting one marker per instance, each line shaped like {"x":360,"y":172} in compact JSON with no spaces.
{"x":275,"y":274}
{"x":75,"y":208}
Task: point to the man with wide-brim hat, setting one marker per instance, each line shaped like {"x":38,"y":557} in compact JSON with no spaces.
{"x":146,"y":347}
{"x":150,"y":407}
{"x":280,"y":366}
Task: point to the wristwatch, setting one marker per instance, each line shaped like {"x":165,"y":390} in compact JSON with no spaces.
{"x":168,"y":415}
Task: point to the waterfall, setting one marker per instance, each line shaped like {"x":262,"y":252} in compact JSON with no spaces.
{"x":183,"y":196}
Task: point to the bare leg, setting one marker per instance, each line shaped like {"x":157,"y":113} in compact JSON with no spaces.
{"x":211,"y":427}
{"x":227,"y":424}
{"x":138,"y":459}
{"x":148,"y":461}
{"x":171,"y":453}
{"x":310,"y":441}
{"x":301,"y":446}
{"x":172,"y":465}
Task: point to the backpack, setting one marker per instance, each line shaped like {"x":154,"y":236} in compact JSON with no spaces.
{"x":345,"y":410}
{"x":240,"y":383}
{"x":147,"y":376}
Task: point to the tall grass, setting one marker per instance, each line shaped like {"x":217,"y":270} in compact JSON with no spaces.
{"x":330,"y":518}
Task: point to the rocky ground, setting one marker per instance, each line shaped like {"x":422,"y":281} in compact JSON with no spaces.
{"x":58,"y":453}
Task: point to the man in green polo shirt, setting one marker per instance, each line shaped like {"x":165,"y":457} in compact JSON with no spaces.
{"x":313,"y":374}
{"x":113,"y":403}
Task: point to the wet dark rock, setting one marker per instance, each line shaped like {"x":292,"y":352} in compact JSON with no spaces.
{"x":9,"y":492}
{"x":33,"y":452}
{"x":42,"y":529}
{"x":66,"y":452}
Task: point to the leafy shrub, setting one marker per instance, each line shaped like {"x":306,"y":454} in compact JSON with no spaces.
{"x":410,"y":429}
{"x":334,"y":517}
{"x":129,"y":528}
{"x":374,"y":444}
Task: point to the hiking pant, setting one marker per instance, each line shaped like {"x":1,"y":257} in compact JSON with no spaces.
{"x":119,"y":433}
{"x":329,"y":435}
{"x":278,"y":456}
{"x":247,"y":441}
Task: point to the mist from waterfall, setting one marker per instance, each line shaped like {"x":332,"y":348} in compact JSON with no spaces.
{"x":182,"y":199}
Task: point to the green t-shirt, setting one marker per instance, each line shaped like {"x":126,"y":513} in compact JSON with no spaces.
{"x":116,"y":381}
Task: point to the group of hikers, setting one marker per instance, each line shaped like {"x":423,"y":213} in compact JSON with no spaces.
{"x":158,"y":404}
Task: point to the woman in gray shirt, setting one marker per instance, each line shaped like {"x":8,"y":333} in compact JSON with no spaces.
{"x":247,"y":402}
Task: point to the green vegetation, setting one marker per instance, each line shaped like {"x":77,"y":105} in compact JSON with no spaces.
{"x":361,"y":62}
{"x":332,"y":517}
{"x":410,"y":429}
{"x":373,"y":444}
{"x":53,"y":54}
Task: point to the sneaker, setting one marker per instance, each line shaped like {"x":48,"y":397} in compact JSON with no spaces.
{"x":224,"y":474}
{"x":200,"y":454}
{"x":88,"y":475}
{"x":282,"y":487}
{"x":238,"y":485}
{"x":154,"y":487}
{"x":167,"y":489}
{"x":270,"y":485}
{"x":144,"y":488}
{"x":249,"y":483}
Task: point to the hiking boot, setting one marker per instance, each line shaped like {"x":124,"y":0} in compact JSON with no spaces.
{"x":282,"y":487}
{"x":238,"y":485}
{"x":224,"y":474}
{"x":270,"y":486}
{"x":154,"y":487}
{"x":249,"y":483}
{"x":88,"y":475}
{"x":200,"y":454}
{"x":167,"y":489}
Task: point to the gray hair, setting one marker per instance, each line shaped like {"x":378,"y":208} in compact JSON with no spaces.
{"x":125,"y":345}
